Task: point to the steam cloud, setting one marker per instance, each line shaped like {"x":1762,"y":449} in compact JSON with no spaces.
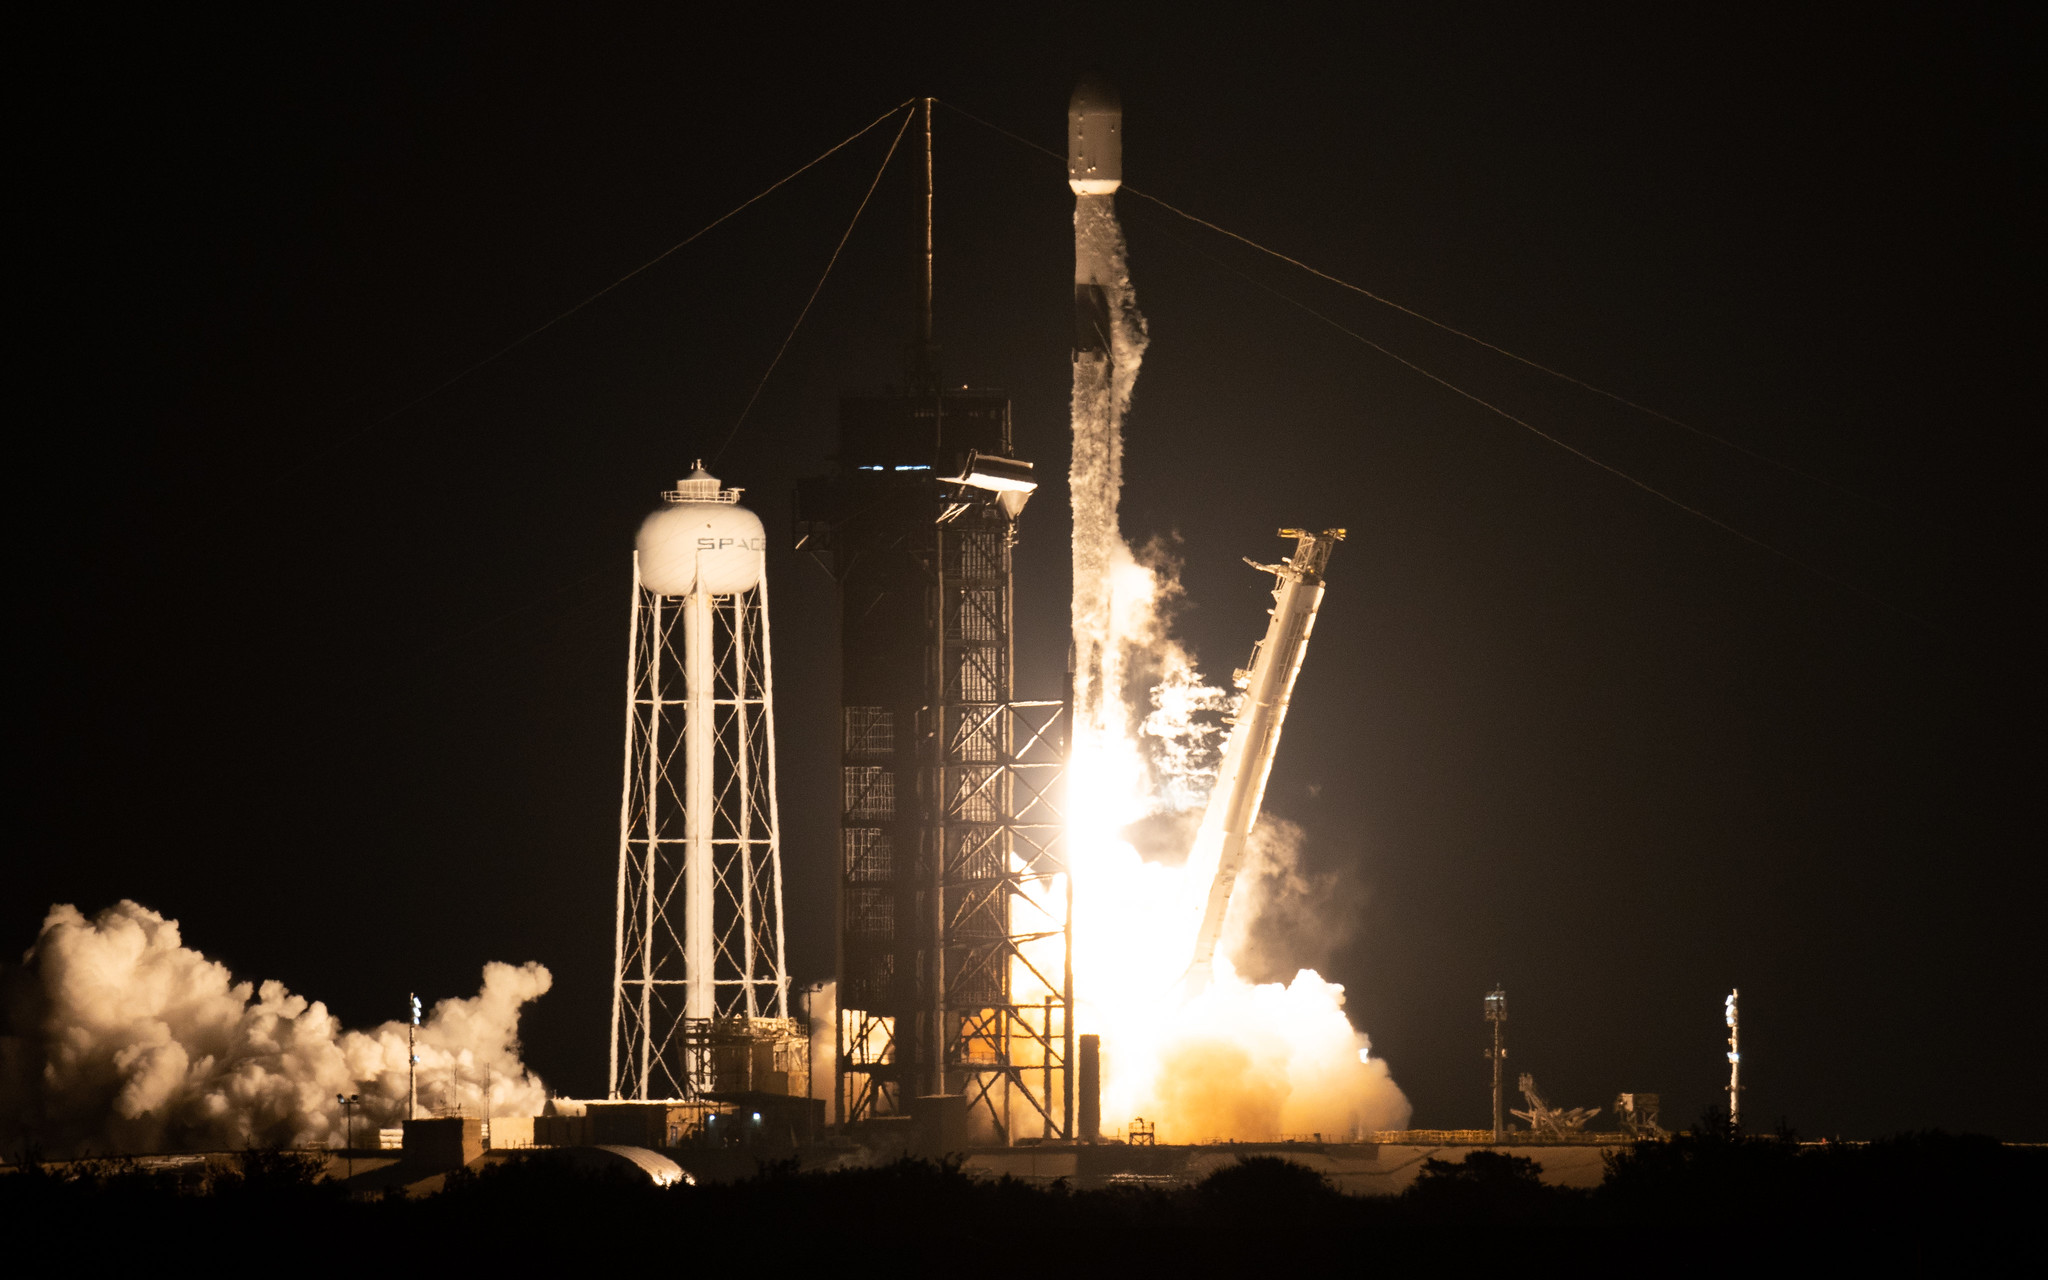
{"x":128,"y":1041}
{"x":1240,"y":1059}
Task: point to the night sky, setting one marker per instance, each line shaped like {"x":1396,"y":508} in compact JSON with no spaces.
{"x":342,"y":691}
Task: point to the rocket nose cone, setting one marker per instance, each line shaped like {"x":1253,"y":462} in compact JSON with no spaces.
{"x":1095,"y":145}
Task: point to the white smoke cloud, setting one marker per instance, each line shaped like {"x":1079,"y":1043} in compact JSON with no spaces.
{"x":1240,"y":1058}
{"x":1284,"y":917}
{"x":1261,"y":1061}
{"x":126,"y":1040}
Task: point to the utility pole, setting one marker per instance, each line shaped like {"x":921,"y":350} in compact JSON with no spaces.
{"x":1734,"y":1060}
{"x":348,"y":1102}
{"x":1497,"y":1014}
{"x":412,"y":1063}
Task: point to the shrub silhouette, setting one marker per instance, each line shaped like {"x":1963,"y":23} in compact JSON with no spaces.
{"x":1486,"y":1186}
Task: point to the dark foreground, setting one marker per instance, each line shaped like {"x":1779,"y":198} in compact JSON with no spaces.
{"x":1696,"y":1202}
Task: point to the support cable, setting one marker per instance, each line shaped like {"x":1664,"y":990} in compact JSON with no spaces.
{"x":535,"y":332}
{"x":1540,"y":367}
{"x":820,"y":286}
{"x":1650,"y":489}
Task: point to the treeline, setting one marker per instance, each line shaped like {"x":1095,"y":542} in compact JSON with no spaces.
{"x":1930,"y":1196}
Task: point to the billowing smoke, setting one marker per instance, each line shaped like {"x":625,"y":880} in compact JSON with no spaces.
{"x":1283,"y":916}
{"x":1095,"y":475}
{"x":126,"y":1040}
{"x":1267,"y":1061}
{"x":1235,"y":1058}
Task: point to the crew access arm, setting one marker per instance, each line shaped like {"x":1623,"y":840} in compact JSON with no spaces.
{"x":1268,"y":684}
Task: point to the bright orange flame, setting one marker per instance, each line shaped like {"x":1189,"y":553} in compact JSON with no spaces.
{"x":1234,"y":1060}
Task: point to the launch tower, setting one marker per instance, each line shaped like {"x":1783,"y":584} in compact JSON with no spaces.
{"x":954,"y":975}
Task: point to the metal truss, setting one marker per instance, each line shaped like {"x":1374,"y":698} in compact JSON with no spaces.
{"x":698,"y":958}
{"x":955,"y":958}
{"x":1008,"y":971}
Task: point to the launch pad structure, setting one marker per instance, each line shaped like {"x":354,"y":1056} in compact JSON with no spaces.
{"x":955,"y":977}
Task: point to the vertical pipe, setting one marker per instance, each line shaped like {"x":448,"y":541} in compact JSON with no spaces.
{"x":1045,"y":1057}
{"x":1091,"y":1089}
{"x":699,"y":942}
{"x":939,"y":828}
{"x":1497,"y":1015}
{"x":1005,"y":745}
{"x":1067,"y":1015}
{"x":774,"y":804}
{"x":1499,"y":1103}
{"x":625,"y":828}
{"x":925,"y":330}
{"x":743,"y":792}
{"x":657,"y":642}
{"x":1734,"y":1059}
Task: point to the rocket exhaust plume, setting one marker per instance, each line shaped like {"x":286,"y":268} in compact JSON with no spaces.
{"x":128,"y":1041}
{"x":1225,"y":1058}
{"x":1109,"y":343}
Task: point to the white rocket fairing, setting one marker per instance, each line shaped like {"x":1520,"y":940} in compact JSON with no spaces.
{"x":1095,"y":169}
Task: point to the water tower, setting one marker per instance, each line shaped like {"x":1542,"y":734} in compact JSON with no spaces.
{"x":700,"y":999}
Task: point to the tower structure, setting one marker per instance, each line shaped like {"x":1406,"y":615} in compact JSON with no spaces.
{"x":953,"y":966}
{"x":1734,"y":1018}
{"x":1497,"y":1017}
{"x":700,"y":996}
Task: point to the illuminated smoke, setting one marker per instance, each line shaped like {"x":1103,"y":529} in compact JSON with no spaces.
{"x":130,"y":1041}
{"x":1240,"y":1059}
{"x":1095,"y":477}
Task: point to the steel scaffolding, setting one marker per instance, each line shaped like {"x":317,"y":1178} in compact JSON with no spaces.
{"x":700,"y":998}
{"x":954,"y":957}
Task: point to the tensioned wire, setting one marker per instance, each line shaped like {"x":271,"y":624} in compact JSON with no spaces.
{"x":527,"y":606}
{"x":907,"y":107}
{"x":1646,"y":487}
{"x":820,"y":286}
{"x":1384,"y":301}
{"x":685,"y":242}
{"x":1724,"y":526}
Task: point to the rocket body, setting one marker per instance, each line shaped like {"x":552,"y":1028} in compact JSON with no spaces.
{"x":1109,"y":342}
{"x":1095,"y":169}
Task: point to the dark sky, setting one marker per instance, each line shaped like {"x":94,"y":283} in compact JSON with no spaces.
{"x":341,"y":691}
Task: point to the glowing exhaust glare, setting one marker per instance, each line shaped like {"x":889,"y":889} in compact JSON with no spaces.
{"x":1234,"y":1059}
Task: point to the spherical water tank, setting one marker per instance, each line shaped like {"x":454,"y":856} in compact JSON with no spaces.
{"x":714,"y":546}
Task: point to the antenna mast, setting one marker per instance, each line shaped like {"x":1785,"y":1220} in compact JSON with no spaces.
{"x":1734,"y":1058}
{"x":1497,"y":1013}
{"x":925,"y":316}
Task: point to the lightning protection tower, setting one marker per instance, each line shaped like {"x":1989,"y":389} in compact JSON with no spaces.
{"x":1733,"y":1014}
{"x":955,"y":973}
{"x":1497,"y":1016}
{"x":700,"y":997}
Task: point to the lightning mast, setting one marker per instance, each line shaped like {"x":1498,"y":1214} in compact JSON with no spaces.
{"x":1267,"y":682}
{"x":1497,"y":1014}
{"x":954,"y":978}
{"x":1734,"y":1058}
{"x":700,"y":994}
